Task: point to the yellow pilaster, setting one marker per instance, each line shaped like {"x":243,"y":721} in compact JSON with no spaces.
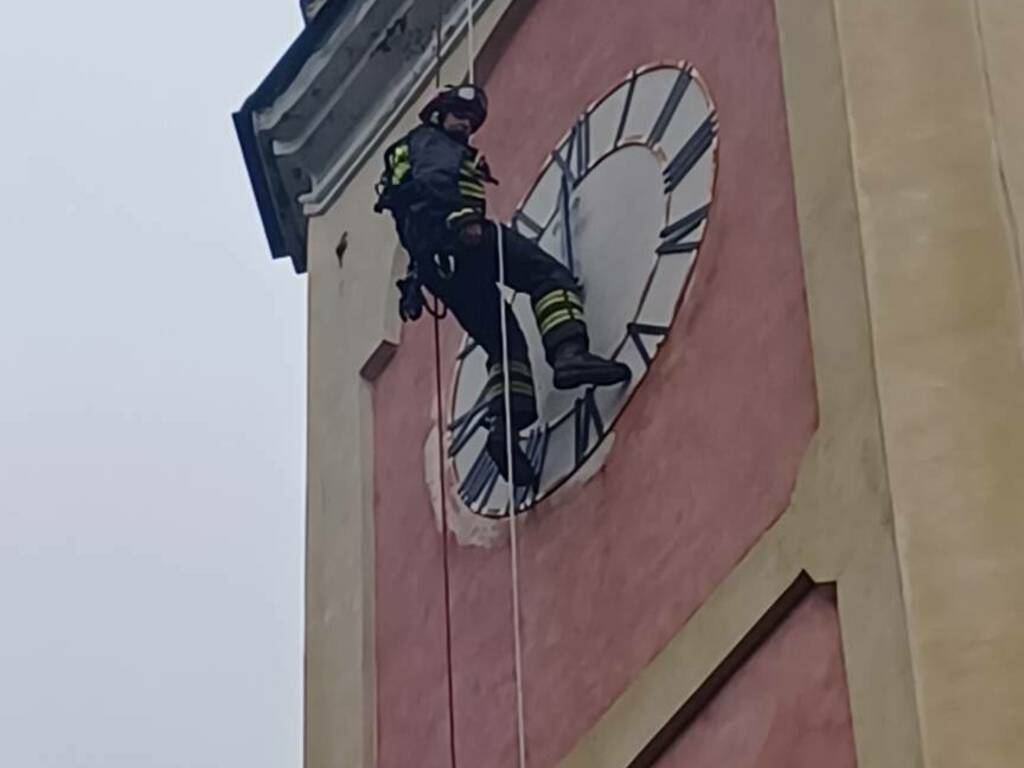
{"x":937,"y":139}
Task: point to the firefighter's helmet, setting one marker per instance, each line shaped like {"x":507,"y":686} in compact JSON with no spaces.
{"x":468,"y":101}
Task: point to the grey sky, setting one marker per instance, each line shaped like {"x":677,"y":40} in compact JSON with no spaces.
{"x":152,"y":366}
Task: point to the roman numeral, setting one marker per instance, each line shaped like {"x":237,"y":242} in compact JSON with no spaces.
{"x":586,"y":415}
{"x":579,"y":146}
{"x":574,"y":160}
{"x":637,"y":331}
{"x":568,"y":182}
{"x":567,"y":249}
{"x":675,"y":96}
{"x":570,"y":257}
{"x":526,"y":226}
{"x":625,"y":110}
{"x":568,"y":175}
{"x":465,"y":426}
{"x":536,"y":451}
{"x":673,"y":237}
{"x":478,"y":484}
{"x":692,"y":151}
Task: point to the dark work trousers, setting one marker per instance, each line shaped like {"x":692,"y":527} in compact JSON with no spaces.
{"x":465,"y":279}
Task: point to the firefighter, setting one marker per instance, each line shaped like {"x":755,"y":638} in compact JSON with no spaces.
{"x":434,"y":185}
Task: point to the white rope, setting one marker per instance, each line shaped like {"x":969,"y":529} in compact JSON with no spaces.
{"x":514,"y":548}
{"x":470,"y":43}
{"x":516,"y":630}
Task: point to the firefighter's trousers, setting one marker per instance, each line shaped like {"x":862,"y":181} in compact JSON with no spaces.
{"x":465,"y":279}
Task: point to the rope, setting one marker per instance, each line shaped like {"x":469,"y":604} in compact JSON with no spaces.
{"x":444,"y":533}
{"x":437,"y":49}
{"x":470,"y":44}
{"x":438,"y":314}
{"x":513,"y":538}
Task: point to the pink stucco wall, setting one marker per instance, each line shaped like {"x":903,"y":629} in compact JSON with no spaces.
{"x":786,"y":707}
{"x":706,"y":452}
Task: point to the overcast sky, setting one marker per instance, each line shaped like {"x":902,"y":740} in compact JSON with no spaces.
{"x":152,"y":395}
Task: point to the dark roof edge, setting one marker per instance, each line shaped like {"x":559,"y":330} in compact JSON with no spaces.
{"x":273,"y":85}
{"x":261,"y":189}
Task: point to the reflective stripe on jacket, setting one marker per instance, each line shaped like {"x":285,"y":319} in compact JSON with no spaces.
{"x":435,"y":180}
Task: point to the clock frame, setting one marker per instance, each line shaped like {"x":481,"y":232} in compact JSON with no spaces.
{"x":662,"y":118}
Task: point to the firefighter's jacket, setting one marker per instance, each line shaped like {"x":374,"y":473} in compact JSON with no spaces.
{"x":433,"y":184}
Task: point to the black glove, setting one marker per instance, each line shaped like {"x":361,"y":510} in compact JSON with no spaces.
{"x":410,"y":302}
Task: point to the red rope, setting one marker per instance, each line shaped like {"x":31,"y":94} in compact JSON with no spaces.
{"x":444,"y":531}
{"x":438,"y":314}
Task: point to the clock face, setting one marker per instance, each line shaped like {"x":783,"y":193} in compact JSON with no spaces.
{"x":623,"y":202}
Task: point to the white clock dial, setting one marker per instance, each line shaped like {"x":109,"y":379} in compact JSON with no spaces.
{"x":623,"y":202}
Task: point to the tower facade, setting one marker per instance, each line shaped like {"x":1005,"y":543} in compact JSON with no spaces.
{"x":791,"y":540}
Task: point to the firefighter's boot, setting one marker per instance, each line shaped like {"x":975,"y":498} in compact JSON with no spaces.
{"x":574,"y":366}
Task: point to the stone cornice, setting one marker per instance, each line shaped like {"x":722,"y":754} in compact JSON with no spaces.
{"x":326,"y":104}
